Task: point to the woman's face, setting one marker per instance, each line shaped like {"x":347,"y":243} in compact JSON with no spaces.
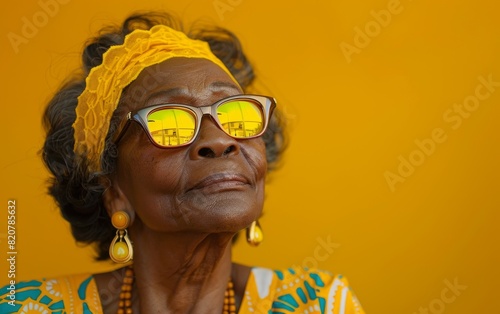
{"x":215,"y":184}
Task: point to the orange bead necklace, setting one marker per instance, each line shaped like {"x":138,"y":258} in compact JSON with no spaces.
{"x":125,"y":303}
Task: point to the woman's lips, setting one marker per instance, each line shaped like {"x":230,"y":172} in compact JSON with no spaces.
{"x":221,"y":181}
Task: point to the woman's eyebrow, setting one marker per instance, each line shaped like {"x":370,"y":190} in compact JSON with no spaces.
{"x":219,"y":84}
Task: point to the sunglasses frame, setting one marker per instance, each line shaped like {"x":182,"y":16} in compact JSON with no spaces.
{"x":268,"y":104}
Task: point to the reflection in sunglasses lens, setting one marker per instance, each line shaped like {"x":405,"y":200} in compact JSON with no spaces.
{"x":240,"y":118}
{"x":171,"y":126}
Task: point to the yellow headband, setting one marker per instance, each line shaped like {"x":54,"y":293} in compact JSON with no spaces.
{"x":121,"y":65}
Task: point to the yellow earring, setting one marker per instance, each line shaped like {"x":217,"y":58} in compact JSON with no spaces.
{"x":254,"y":234}
{"x":121,"y":250}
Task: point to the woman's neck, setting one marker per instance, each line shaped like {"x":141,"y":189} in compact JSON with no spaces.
{"x":181,"y":273}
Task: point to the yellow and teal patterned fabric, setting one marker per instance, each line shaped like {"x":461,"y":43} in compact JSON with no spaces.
{"x":293,"y":290}
{"x":70,"y":294}
{"x":298,"y":290}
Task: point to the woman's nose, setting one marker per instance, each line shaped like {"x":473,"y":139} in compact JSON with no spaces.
{"x":212,"y":142}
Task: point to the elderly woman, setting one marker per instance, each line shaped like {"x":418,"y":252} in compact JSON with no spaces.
{"x":159,"y":159}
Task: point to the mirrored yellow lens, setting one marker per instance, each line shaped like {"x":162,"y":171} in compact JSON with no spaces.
{"x":171,"y":126}
{"x":241,"y":118}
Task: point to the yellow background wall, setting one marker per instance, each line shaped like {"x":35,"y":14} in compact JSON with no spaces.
{"x":404,"y":220}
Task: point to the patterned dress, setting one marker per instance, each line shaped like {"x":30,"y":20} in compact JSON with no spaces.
{"x":293,"y":290}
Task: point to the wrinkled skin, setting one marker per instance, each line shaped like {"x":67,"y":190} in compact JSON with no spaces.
{"x":185,"y":203}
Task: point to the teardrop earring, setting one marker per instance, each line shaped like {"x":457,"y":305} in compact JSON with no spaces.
{"x":254,"y":233}
{"x":121,"y":250}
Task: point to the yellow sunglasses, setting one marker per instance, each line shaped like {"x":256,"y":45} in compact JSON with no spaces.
{"x":175,"y":125}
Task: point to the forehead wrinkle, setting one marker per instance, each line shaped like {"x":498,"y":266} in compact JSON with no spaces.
{"x":163,"y":95}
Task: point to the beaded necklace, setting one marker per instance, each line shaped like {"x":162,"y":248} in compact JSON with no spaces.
{"x":125,"y":303}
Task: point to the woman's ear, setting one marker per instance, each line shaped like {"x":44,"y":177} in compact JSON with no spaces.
{"x":115,"y":200}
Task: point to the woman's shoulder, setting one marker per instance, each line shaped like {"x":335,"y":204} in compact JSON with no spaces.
{"x":297,"y":288}
{"x":66,"y":294}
